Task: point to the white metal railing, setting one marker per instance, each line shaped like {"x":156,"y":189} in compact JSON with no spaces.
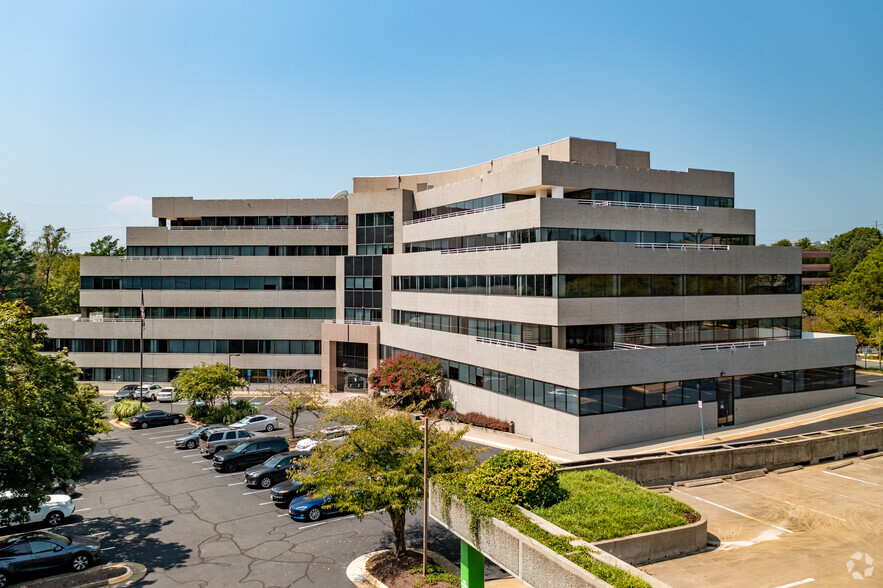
{"x":106,"y":319}
{"x":159,"y":257}
{"x":349,"y":322}
{"x":504,"y":343}
{"x":637,"y":204}
{"x":249,"y":227}
{"x":734,"y":345}
{"x":482,"y":248}
{"x":681,"y":246}
{"x":620,"y":346}
{"x":452,"y":214}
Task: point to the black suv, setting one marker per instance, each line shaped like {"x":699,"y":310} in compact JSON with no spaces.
{"x":250,"y":453}
{"x":223,"y":440}
{"x":274,"y":470}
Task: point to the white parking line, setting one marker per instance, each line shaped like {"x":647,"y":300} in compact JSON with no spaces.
{"x":790,"y":503}
{"x":169,"y":447}
{"x":164,"y":437}
{"x":872,"y":381}
{"x":265,"y":503}
{"x":80,"y":498}
{"x":84,"y":509}
{"x":200,"y":461}
{"x":204,"y":469}
{"x":741,"y":514}
{"x":798,"y":583}
{"x":848,"y":478}
{"x":283,"y":515}
{"x":236,"y":483}
{"x":107,"y":548}
{"x":253,"y":492}
{"x":225,"y":475}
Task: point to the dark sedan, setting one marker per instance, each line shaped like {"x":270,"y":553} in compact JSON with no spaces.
{"x":152,"y":418}
{"x":41,"y":551}
{"x":284,"y":492}
{"x":274,"y":470}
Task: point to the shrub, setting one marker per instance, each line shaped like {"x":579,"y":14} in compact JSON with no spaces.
{"x":225,"y":414}
{"x":517,"y":477}
{"x":125,"y":409}
{"x":482,"y":420}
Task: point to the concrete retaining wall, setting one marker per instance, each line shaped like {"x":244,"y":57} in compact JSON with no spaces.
{"x":716,"y":460}
{"x":645,"y":548}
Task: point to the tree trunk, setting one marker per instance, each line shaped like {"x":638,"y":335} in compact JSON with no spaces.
{"x":398,"y":531}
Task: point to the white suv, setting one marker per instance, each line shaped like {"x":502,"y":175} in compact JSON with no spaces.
{"x":167,"y":394}
{"x":146,"y":392}
{"x":54,"y":509}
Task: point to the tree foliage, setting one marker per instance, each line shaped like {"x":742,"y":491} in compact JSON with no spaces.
{"x":291,"y":398}
{"x":46,"y":420}
{"x":517,"y":477}
{"x":406,"y":381}
{"x":850,"y":248}
{"x":16,"y":263}
{"x":782,"y":243}
{"x":207,"y":382}
{"x":106,"y":246}
{"x":380,"y":464}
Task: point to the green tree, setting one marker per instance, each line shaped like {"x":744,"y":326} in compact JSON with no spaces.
{"x":16,"y":263}
{"x":406,"y":381}
{"x":291,"y":398}
{"x":49,"y":248}
{"x":864,"y":286}
{"x":62,"y":294}
{"x":380,"y":464}
{"x":46,"y":420}
{"x":208,"y":382}
{"x":782,"y":243}
{"x":106,"y":246}
{"x":850,"y":248}
{"x":805,"y":244}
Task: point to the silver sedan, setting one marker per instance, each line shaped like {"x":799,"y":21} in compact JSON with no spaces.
{"x":258,"y":422}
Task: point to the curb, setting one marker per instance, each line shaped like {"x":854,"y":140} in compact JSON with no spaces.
{"x":134,"y":572}
{"x":362,"y":578}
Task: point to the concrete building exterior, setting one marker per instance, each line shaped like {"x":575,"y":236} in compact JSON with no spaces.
{"x":571,"y":289}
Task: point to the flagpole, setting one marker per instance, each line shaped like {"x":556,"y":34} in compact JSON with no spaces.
{"x":141,"y":349}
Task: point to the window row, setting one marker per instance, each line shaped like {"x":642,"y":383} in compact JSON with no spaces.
{"x":235,"y":250}
{"x":564,"y":234}
{"x":126,"y":375}
{"x":376,"y":249}
{"x":495,"y":200}
{"x":374,"y":219}
{"x":603,"y":285}
{"x":264,"y":221}
{"x":218,"y":346}
{"x":591,"y":401}
{"x":653,"y":198}
{"x":202,"y":312}
{"x":603,"y":337}
{"x":207,"y":282}
{"x":504,"y":330}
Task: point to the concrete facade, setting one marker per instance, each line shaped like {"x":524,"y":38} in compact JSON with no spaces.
{"x":568,"y":211}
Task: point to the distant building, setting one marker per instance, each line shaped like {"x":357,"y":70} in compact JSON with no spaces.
{"x":816,"y":267}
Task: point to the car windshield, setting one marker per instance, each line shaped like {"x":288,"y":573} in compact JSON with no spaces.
{"x":240,"y":448}
{"x":273,"y":461}
{"x":243,"y":421}
{"x":55,"y":537}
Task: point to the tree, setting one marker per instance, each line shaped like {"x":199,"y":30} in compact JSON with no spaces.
{"x":864,"y":286}
{"x":106,"y":246}
{"x":16,"y":263}
{"x":850,"y":248}
{"x":805,"y":244}
{"x":380,"y":464}
{"x":406,"y":381}
{"x":49,"y":248}
{"x":208,"y":382}
{"x":782,"y":243}
{"x":292,"y":398}
{"x":46,"y":420}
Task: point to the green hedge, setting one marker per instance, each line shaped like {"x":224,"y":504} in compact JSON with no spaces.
{"x":517,"y":477}
{"x":125,"y":409}
{"x":225,"y":413}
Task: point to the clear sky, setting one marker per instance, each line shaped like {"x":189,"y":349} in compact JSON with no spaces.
{"x":104,"y":105}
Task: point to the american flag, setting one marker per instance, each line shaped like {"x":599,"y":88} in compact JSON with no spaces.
{"x":143,"y":314}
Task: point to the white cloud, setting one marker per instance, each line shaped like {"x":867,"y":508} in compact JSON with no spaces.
{"x":131,"y":204}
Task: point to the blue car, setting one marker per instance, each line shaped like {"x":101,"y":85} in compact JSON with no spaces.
{"x":307,"y":508}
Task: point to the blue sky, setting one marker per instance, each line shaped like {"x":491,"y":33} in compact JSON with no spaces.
{"x":104,"y":105}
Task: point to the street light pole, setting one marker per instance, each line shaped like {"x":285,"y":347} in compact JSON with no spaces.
{"x":425,"y":487}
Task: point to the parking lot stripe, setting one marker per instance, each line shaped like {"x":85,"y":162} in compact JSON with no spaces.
{"x":798,"y":583}
{"x":204,"y":469}
{"x":848,"y":478}
{"x":265,"y":503}
{"x":236,"y":483}
{"x":790,"y":503}
{"x":164,"y":437}
{"x":253,"y":492}
{"x":224,"y":475}
{"x":742,"y":514}
{"x":80,"y":498}
{"x":169,"y":447}
{"x":107,"y":548}
{"x":200,"y":461}
{"x":283,"y":515}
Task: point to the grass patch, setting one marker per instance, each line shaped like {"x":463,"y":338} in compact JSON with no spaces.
{"x":601,"y":505}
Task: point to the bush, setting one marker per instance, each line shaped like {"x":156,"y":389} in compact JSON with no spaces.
{"x":225,"y":414}
{"x":125,"y":409}
{"x":517,"y":477}
{"x":482,"y":420}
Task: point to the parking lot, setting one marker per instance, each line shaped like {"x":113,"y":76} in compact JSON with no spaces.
{"x":169,"y":510}
{"x":801,"y":528}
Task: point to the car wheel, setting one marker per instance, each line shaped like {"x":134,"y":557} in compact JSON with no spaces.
{"x":176,"y":420}
{"x":229,"y":467}
{"x":80,"y":562}
{"x":265,"y":482}
{"x":314,"y":514}
{"x":4,"y":579}
{"x":143,"y":425}
{"x":54,"y":518}
{"x":191,"y":444}
{"x":269,"y":427}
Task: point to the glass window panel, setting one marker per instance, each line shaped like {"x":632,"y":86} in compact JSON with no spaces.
{"x":613,"y":400}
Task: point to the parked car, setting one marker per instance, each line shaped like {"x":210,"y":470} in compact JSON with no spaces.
{"x":127,"y":391}
{"x":257,"y":422}
{"x":166,"y":394}
{"x":249,"y":453}
{"x":192,"y":439}
{"x":309,"y":508}
{"x":329,"y":435}
{"x":284,"y":492}
{"x":152,"y":418}
{"x":64,"y":487}
{"x":222,"y":440}
{"x":274,"y":470}
{"x":40,"y":551}
{"x":53,"y":510}
{"x":146,"y":392}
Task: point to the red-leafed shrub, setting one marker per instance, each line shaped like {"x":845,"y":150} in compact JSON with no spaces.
{"x":482,"y":420}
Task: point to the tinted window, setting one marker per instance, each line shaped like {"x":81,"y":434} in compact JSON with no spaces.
{"x":230,"y":435}
{"x":42,"y":546}
{"x":12,"y":550}
{"x":242,"y":434}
